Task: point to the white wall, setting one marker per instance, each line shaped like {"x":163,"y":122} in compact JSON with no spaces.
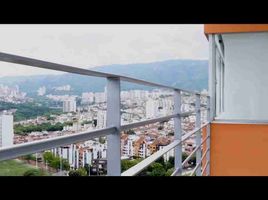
{"x":246,"y":76}
{"x":7,"y":130}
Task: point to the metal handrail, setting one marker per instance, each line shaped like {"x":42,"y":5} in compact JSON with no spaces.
{"x":189,"y":134}
{"x":146,"y":122}
{"x":114,"y":83}
{"x":5,"y":57}
{"x":189,"y":157}
{"x":205,"y":167}
{"x":154,"y":120}
{"x":146,"y":162}
{"x":198,"y":164}
{"x":41,"y":145}
{"x":193,"y":152}
{"x":15,"y":151}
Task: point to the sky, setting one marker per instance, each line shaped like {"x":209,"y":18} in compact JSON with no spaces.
{"x":88,"y":46}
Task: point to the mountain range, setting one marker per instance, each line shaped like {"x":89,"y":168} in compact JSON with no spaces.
{"x":184,"y":74}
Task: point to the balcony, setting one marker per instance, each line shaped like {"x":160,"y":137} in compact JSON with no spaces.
{"x":114,"y":127}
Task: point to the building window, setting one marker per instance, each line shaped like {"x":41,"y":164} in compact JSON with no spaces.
{"x":219,"y":75}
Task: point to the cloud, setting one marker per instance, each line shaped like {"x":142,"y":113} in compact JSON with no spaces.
{"x":93,"y":45}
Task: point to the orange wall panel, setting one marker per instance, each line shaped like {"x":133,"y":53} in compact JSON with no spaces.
{"x":204,"y":135}
{"x":239,"y":150}
{"x":234,"y":28}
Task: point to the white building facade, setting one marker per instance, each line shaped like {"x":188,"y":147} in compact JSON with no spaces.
{"x":6,"y":130}
{"x":69,"y":105}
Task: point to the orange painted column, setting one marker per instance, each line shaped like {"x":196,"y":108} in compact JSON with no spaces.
{"x":204,"y":135}
{"x":239,"y":149}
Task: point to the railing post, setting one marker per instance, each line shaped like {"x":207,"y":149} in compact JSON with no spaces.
{"x":113,"y":119}
{"x":208,"y":140}
{"x":198,"y":133}
{"x":212,"y":75}
{"x":177,"y":132}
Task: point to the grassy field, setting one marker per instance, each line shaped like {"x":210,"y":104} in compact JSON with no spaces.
{"x":13,"y":168}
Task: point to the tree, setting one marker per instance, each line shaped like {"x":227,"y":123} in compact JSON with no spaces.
{"x":73,"y":173}
{"x":171,"y":160}
{"x":192,"y":160}
{"x":28,"y":110}
{"x":161,"y":161}
{"x":168,"y":165}
{"x":34,"y":172}
{"x":102,"y":140}
{"x":78,"y":172}
{"x":87,"y":168}
{"x":69,"y":123}
{"x":29,"y":157}
{"x":169,"y":172}
{"x":20,"y":129}
{"x":48,"y":156}
{"x":157,"y":170}
{"x":65,"y":164}
{"x":55,"y":161}
{"x":126,"y":164}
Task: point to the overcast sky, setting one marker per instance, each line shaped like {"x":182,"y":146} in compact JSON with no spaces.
{"x":94,"y":45}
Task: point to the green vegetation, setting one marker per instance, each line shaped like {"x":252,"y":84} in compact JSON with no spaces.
{"x":28,"y":110}
{"x":35,"y":172}
{"x":171,"y":133}
{"x":102,"y":140}
{"x":13,"y":168}
{"x":87,"y":168}
{"x":169,"y":172}
{"x":78,"y":172}
{"x":55,"y":161}
{"x":29,"y":157}
{"x":158,"y":168}
{"x":23,"y":130}
{"x":126,"y":164}
{"x":86,"y":122}
{"x":68,"y":123}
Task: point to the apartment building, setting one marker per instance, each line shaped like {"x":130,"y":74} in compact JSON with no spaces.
{"x":6,"y":129}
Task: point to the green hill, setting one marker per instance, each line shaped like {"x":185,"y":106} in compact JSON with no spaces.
{"x":185,"y":74}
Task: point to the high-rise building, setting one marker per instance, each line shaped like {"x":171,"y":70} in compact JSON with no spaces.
{"x":100,"y":97}
{"x":87,"y":97}
{"x":69,"y":105}
{"x":101,"y":119}
{"x":76,"y":126}
{"x":6,"y":129}
{"x":166,"y":105}
{"x":151,"y":108}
